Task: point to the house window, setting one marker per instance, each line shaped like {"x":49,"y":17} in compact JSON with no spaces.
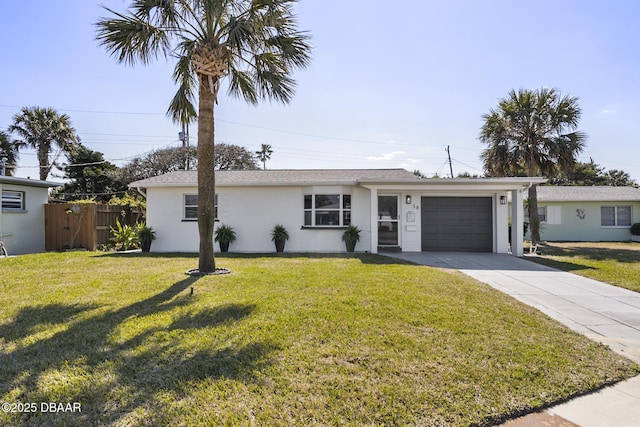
{"x":542,"y":213}
{"x":13,"y":200}
{"x":615,"y":216}
{"x":191,"y":207}
{"x":330,"y":210}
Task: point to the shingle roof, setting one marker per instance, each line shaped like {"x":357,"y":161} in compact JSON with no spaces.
{"x":278,"y":177}
{"x":550,"y":193}
{"x":28,"y":182}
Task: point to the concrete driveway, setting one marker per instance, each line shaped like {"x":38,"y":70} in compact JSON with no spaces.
{"x":602,"y":312}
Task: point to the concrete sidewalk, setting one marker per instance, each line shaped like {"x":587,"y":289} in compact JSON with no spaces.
{"x":602,"y":312}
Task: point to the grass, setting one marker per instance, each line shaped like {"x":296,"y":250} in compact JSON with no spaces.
{"x":615,"y":263}
{"x":291,"y":340}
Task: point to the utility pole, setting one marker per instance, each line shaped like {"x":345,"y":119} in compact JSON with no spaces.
{"x":184,"y":137}
{"x":449,"y":155}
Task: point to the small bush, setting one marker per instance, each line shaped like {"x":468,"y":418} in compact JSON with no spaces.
{"x":635,"y":229}
{"x":125,"y":236}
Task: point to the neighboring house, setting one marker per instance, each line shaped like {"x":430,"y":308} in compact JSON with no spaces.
{"x":395,"y":210}
{"x":587,"y":214}
{"x":22,"y":214}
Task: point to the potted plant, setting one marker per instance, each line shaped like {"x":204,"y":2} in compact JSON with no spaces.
{"x":350,"y":237}
{"x":224,"y":235}
{"x":146,"y":235}
{"x":635,"y":232}
{"x":279,"y":235}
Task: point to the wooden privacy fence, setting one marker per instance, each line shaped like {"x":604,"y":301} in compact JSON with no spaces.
{"x":83,"y":225}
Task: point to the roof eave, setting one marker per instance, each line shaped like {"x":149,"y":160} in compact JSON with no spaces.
{"x":140,"y":184}
{"x":28,"y":182}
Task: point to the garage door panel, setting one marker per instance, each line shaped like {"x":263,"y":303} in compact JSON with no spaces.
{"x":457,"y":224}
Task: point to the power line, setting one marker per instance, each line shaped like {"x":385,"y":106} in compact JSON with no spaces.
{"x":335,"y":138}
{"x":94,"y":111}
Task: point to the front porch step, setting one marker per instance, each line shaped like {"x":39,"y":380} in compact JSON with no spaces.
{"x":389,"y":249}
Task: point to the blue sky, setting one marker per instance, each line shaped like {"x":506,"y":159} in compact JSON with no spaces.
{"x":391,"y":84}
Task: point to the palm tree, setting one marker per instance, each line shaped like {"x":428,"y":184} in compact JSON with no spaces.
{"x":46,"y":131}
{"x":264,"y":154}
{"x":8,"y":152}
{"x":532,"y":133}
{"x":253,"y":43}
{"x":618,"y":178}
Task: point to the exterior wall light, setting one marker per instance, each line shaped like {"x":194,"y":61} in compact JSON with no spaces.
{"x":408,"y":199}
{"x":503,"y":200}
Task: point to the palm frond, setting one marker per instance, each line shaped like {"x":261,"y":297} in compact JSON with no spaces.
{"x":130,"y":39}
{"x":181,"y":109}
{"x":532,"y":131}
{"x":242,"y":85}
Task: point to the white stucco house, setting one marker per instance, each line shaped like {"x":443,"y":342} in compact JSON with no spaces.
{"x":395,"y":210}
{"x":22,"y":215}
{"x":587,"y":214}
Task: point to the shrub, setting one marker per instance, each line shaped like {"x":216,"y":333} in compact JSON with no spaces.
{"x":635,"y":229}
{"x":124,"y":236}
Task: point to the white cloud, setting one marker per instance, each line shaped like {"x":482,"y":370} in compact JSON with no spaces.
{"x":386,"y":156}
{"x":413,"y":161}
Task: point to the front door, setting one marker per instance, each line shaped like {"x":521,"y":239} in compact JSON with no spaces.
{"x":388,"y":220}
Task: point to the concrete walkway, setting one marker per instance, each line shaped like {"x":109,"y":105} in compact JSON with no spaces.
{"x":602,"y":312}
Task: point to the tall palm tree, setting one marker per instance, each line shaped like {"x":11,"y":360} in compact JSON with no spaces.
{"x":532,"y":132}
{"x":49,"y":133}
{"x":254,"y":44}
{"x":9,"y":152}
{"x":264,"y":154}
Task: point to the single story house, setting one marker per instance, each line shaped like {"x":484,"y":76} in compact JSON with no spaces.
{"x":396,"y":210}
{"x":587,"y":214}
{"x":22,"y":214}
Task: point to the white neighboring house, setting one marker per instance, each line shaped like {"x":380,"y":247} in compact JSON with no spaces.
{"x":22,"y":214}
{"x":587,"y":214}
{"x":396,"y":210}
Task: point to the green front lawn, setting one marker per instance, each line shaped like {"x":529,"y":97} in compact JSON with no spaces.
{"x":294,"y":340}
{"x":610,"y":262}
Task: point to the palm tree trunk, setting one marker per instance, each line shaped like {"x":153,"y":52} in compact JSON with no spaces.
{"x":206,"y":176}
{"x":534,"y":220}
{"x":43,"y":160}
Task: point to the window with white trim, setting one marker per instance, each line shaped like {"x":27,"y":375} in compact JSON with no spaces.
{"x":615,"y":216}
{"x":13,"y":200}
{"x":190,"y":212}
{"x":327,"y":210}
{"x":542,"y":213}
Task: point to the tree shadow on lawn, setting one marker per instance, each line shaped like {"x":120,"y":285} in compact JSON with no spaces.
{"x":142,"y":365}
{"x":29,"y":318}
{"x":365,"y":258}
{"x":593,"y":253}
{"x":560,"y":265}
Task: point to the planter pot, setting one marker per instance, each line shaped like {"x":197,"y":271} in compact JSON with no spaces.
{"x":351,"y":246}
{"x":279,"y":245}
{"x":224,"y":246}
{"x":635,"y":239}
{"x":146,"y":246}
